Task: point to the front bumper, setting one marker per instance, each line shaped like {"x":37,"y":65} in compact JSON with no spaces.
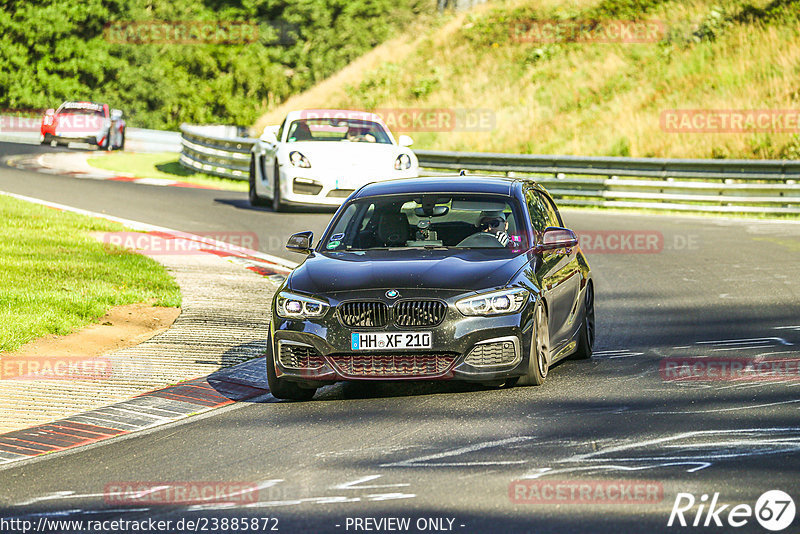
{"x":477,"y":349}
{"x":91,"y":138}
{"x":309,"y":186}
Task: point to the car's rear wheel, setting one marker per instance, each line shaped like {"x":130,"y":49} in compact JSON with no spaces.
{"x":539,"y":360}
{"x":280,"y":387}
{"x":586,"y":334}
{"x":252,"y":194}
{"x":277,"y":203}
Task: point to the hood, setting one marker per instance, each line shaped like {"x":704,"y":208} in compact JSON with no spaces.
{"x":465,"y":269}
{"x":346,"y":155}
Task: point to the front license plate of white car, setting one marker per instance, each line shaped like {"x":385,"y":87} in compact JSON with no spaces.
{"x":390,"y":340}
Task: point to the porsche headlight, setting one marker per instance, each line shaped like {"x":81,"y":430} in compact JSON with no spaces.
{"x":402,"y":162}
{"x":299,"y":160}
{"x":291,"y":306}
{"x":494,"y":302}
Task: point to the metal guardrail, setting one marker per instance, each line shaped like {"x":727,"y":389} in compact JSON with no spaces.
{"x":227,"y":157}
{"x":727,"y":186}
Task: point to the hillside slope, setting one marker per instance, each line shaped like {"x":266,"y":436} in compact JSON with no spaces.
{"x":592,"y":98}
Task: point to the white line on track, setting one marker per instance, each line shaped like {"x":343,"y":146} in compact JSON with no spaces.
{"x":145,"y":227}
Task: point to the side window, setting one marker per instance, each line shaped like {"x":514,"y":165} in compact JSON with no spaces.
{"x":538,"y":210}
{"x":553,"y":217}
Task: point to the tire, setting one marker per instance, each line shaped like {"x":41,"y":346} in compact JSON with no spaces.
{"x":252,"y":194}
{"x":587,"y":331}
{"x":107,"y":145}
{"x":282,"y":388}
{"x":277,"y":203}
{"x":122,"y":141}
{"x":539,"y":360}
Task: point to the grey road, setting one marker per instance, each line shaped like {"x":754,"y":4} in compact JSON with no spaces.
{"x":606,"y":445}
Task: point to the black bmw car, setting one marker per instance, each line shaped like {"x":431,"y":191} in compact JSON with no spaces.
{"x":435,"y":278}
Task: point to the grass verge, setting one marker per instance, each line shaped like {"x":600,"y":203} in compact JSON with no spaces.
{"x":56,"y":278}
{"x":163,"y":165}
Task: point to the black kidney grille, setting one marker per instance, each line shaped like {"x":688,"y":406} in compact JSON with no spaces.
{"x":364,"y":314}
{"x":419,"y":312}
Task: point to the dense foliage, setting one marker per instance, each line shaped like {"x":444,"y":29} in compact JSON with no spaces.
{"x":55,"y":50}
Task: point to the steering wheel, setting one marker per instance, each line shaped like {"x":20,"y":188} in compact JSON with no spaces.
{"x":481,"y":240}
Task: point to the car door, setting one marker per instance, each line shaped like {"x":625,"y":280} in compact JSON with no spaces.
{"x":558,"y":272}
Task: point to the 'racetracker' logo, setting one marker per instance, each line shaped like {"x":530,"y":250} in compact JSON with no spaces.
{"x":774,"y":510}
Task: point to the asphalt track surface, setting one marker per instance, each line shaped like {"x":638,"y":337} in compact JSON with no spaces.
{"x":449,"y":457}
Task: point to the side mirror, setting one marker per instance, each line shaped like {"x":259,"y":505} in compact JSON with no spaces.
{"x":556,"y":237}
{"x":405,"y":140}
{"x":116,"y":114}
{"x":300,"y":242}
{"x":269,"y":134}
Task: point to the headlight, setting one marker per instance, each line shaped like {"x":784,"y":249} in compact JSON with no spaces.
{"x":291,"y":306}
{"x":402,"y":162}
{"x":299,"y":160}
{"x":494,"y":302}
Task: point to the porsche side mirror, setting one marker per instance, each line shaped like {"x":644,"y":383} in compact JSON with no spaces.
{"x":405,"y":140}
{"x":300,"y":242}
{"x":555,"y":237}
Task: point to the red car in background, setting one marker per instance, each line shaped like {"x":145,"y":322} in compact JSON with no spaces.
{"x":84,"y":122}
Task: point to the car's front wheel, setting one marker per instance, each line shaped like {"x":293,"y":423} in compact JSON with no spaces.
{"x":277,"y":203}
{"x":252,"y":194}
{"x":539,"y":359}
{"x":280,"y":387}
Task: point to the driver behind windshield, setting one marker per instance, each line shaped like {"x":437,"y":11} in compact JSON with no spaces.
{"x":495,"y":223}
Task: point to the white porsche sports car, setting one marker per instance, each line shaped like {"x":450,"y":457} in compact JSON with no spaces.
{"x":319,"y":157}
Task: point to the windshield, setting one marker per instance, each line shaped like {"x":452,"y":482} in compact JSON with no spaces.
{"x":427,"y":221}
{"x":337,"y":129}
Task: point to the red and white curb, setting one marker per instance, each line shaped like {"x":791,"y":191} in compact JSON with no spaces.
{"x":245,"y":381}
{"x":254,"y":260}
{"x":165,"y":405}
{"x":74,"y":164}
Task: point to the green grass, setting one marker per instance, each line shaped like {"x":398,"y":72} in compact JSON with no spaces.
{"x":55,"y":277}
{"x":161,"y":165}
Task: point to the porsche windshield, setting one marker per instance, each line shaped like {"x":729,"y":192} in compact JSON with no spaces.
{"x":427,"y":221}
{"x":337,"y":129}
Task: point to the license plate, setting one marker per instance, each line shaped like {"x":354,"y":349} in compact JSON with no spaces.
{"x":390,"y":340}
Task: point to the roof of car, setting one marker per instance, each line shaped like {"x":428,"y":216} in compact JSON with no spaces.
{"x":333,"y":114}
{"x":500,"y":185}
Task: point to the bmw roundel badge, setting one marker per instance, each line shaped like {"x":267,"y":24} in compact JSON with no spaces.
{"x":392,"y":294}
